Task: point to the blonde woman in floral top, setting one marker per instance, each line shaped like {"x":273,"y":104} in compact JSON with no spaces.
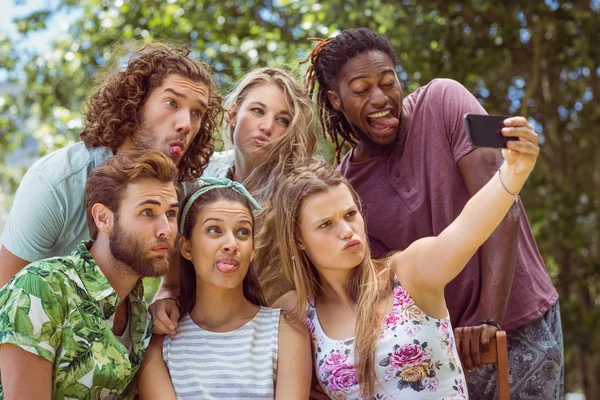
{"x":380,"y":328}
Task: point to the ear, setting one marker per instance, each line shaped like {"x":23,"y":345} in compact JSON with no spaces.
{"x":185,"y":248}
{"x":104,"y":218}
{"x":300,"y":244}
{"x":232,"y":115}
{"x":252,"y":256}
{"x":334,"y":99}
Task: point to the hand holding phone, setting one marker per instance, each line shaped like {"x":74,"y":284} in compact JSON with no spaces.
{"x":486,"y":130}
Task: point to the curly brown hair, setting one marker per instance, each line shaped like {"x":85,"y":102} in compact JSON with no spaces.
{"x":113,"y":113}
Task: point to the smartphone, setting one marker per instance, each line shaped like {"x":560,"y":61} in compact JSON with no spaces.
{"x":485,"y":130}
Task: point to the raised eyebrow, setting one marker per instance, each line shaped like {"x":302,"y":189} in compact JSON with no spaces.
{"x":212,"y":219}
{"x":175,"y":93}
{"x":148,"y":202}
{"x":258,"y":103}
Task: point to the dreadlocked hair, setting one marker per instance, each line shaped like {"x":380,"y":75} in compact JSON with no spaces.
{"x":326,"y":61}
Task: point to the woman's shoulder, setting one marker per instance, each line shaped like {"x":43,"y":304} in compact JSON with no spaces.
{"x":287,"y":302}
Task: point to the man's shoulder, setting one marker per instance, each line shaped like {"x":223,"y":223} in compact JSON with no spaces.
{"x":62,"y":164}
{"x":56,"y":276}
{"x":435,"y":90}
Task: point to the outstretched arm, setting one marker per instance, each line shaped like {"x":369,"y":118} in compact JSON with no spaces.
{"x":498,"y":261}
{"x":153,"y":380}
{"x":431,"y":263}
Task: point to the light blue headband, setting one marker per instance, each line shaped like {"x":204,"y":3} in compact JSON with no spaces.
{"x":217,"y":183}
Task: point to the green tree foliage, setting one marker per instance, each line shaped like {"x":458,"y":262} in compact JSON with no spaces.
{"x":538,"y":59}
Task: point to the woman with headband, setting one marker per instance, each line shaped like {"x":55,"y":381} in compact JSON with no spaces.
{"x":228,"y":344}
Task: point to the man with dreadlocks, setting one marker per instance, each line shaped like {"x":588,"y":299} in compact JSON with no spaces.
{"x":414,"y":170}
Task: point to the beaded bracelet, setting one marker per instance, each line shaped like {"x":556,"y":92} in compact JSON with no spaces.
{"x":516,"y":196}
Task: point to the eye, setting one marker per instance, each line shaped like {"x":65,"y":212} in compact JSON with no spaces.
{"x":213,"y":229}
{"x":197,"y":114}
{"x":146,"y":213}
{"x":350,"y":214}
{"x":324,"y":225}
{"x":284,"y":121}
{"x":171,"y":103}
{"x":392,"y":83}
{"x":244,"y":232}
{"x":257,"y":110}
{"x":171,"y":214}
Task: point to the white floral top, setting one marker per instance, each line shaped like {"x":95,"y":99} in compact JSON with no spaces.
{"x":415,"y":357}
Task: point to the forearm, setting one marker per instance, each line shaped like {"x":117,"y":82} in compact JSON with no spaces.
{"x":498,"y":262}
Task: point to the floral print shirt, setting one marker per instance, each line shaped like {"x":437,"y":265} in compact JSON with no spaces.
{"x":62,"y":309}
{"x":415,"y":358}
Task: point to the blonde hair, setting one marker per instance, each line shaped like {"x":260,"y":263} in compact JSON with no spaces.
{"x":285,"y":267}
{"x":299,"y":140}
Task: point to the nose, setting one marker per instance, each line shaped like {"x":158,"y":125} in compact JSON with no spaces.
{"x":183,"y":124}
{"x":229,"y":246}
{"x":266,"y":126}
{"x":164,"y":227}
{"x":379,"y":98}
{"x":346,"y":231}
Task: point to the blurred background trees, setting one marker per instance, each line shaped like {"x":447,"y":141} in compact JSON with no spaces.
{"x":538,"y":59}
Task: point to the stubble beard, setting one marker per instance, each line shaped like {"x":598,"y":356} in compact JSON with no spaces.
{"x":129,"y":251}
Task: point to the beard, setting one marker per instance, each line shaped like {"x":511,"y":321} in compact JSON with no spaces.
{"x":145,"y":137}
{"x":129,"y":250}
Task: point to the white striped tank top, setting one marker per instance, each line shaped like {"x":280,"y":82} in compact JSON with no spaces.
{"x":241,"y":364}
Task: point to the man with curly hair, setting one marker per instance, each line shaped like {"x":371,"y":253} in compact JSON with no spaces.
{"x":162,"y":100}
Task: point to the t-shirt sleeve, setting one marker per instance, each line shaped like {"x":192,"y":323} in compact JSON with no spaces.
{"x":31,"y":315}
{"x":456,"y":102}
{"x":36,"y":220}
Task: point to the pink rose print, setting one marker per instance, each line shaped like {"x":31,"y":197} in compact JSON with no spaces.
{"x":391,"y":320}
{"x":342,"y":378}
{"x":401,"y":297}
{"x":409,"y":354}
{"x":334,"y":361}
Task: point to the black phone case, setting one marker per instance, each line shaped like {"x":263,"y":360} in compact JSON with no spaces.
{"x":485,"y":130}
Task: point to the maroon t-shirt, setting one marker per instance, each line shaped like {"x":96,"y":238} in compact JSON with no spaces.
{"x":418,"y":191}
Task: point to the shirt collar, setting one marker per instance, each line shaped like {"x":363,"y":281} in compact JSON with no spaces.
{"x":95,"y":281}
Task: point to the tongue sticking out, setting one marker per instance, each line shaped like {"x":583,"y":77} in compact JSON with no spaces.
{"x":176,"y":151}
{"x":226,"y":267}
{"x":387,"y":121}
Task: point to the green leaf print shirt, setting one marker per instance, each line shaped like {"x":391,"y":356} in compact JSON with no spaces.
{"x":63,"y":309}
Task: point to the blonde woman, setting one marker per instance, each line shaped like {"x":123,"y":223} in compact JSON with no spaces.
{"x":379,"y":328}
